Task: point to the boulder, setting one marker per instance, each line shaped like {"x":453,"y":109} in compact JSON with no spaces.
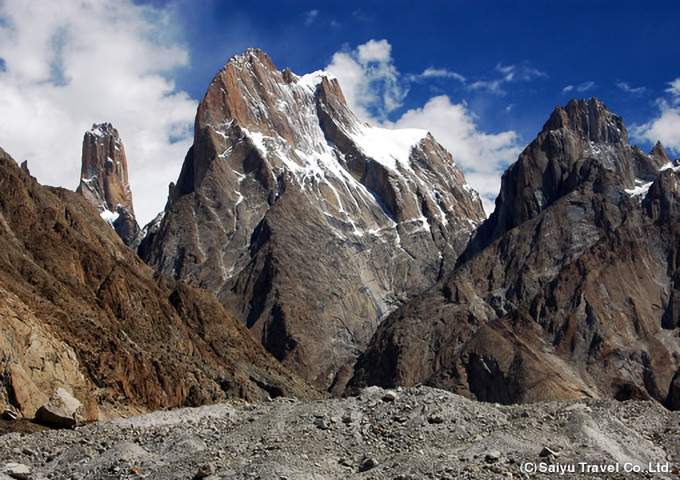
{"x":60,"y":412}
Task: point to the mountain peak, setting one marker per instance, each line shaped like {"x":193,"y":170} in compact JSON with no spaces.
{"x":660,"y":153}
{"x":104,"y":174}
{"x":104,"y":179}
{"x":581,"y":143}
{"x":590,"y":119}
{"x":282,"y":173}
{"x":253,"y":55}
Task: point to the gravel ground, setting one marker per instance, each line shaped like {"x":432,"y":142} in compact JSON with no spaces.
{"x":402,"y":434}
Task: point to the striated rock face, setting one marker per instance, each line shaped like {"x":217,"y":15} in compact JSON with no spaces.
{"x":80,"y":311}
{"x":569,"y":289}
{"x":556,"y":163}
{"x":104,"y":181}
{"x":308,"y":224}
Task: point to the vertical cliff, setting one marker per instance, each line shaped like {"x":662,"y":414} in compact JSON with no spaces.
{"x":104,"y":181}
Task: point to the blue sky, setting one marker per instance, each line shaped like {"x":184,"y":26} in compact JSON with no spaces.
{"x":483,"y":76}
{"x":624,"y":52}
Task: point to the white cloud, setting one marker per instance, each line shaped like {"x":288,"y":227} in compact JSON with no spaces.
{"x":581,"y":88}
{"x":509,"y":74}
{"x":483,"y":157}
{"x":310,"y":17}
{"x":70,"y":64}
{"x":442,"y":73}
{"x":519,"y":73}
{"x":585,"y":86}
{"x":628,"y":89}
{"x":370,"y":81}
{"x":665,"y":127}
{"x":491,"y":86}
{"x":674,"y":90}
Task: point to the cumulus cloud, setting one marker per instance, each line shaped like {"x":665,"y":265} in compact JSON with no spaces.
{"x":369,"y":79}
{"x":67,"y":65}
{"x":666,"y":126}
{"x":482,"y":156}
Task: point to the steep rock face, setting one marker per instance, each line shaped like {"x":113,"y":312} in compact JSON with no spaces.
{"x":80,"y":311}
{"x":308,"y":224}
{"x":557,"y":161}
{"x":104,"y":181}
{"x":569,"y":288}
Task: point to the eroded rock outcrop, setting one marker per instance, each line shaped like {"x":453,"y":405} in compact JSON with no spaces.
{"x":104,"y":181}
{"x":569,"y":289}
{"x":80,"y":311}
{"x":310,"y":225}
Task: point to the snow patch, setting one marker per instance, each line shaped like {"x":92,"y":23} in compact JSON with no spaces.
{"x":109,"y":216}
{"x":312,"y":80}
{"x":391,"y":148}
{"x":640,"y":190}
{"x":670,"y":166}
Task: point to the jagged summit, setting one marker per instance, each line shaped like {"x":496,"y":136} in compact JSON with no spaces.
{"x":308,"y":223}
{"x":286,"y":115}
{"x":579,"y":141}
{"x":104,"y":174}
{"x":104,"y":180}
{"x":589,"y":119}
{"x":659,"y":152}
{"x":571,"y":288}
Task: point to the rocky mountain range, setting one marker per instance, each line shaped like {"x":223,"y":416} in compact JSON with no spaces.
{"x":569,"y":289}
{"x":306,"y":223}
{"x":303,"y":251}
{"x":80,"y":311}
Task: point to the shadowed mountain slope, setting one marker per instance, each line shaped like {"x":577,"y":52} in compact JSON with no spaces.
{"x":307,"y":223}
{"x":569,"y":289}
{"x":79,"y":310}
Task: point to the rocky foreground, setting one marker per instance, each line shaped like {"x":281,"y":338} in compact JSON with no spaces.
{"x":410,"y":433}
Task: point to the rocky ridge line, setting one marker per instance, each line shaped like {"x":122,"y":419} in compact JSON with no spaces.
{"x":80,"y":311}
{"x":308,"y":224}
{"x":569,"y":289}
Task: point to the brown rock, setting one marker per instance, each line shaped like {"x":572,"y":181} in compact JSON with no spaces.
{"x":569,"y":288}
{"x":104,"y":180}
{"x":290,"y":215}
{"x":80,"y":310}
{"x":55,"y":417}
{"x":673,"y":398}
